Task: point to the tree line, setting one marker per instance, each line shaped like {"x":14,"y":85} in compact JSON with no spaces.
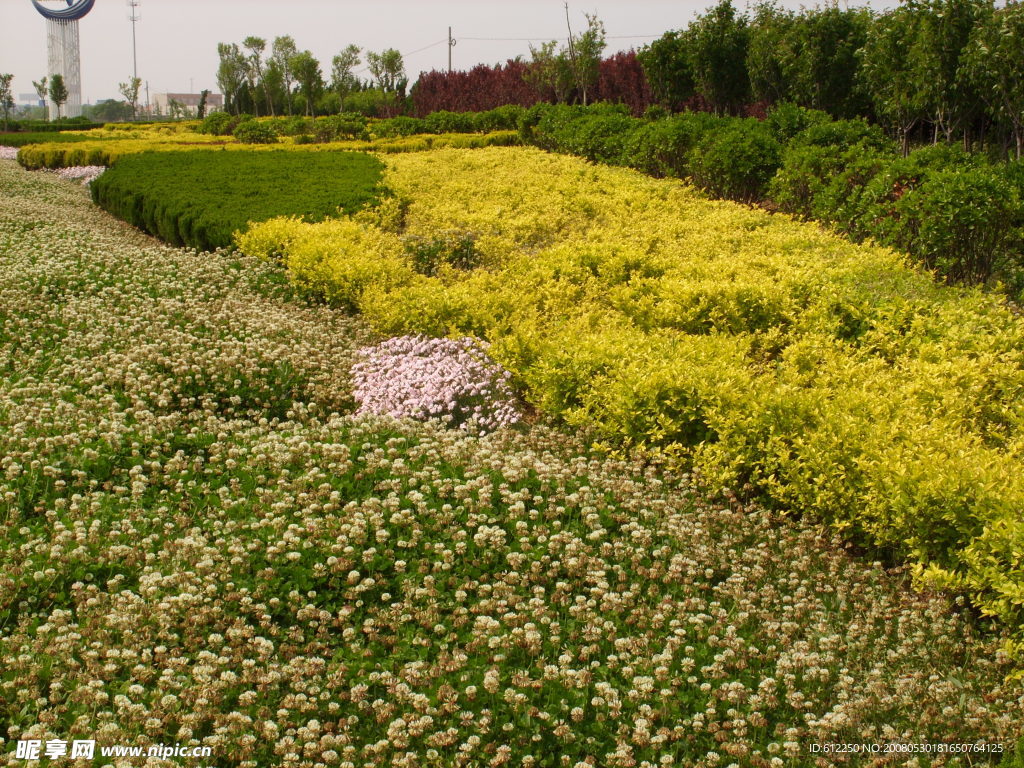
{"x":287,"y":81}
{"x":937,"y":70}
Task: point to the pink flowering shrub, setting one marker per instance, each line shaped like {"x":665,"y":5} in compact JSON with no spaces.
{"x":422,"y":378}
{"x":8,"y":153}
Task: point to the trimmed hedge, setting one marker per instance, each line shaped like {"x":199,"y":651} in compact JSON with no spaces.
{"x":21,"y":139}
{"x":198,"y":199}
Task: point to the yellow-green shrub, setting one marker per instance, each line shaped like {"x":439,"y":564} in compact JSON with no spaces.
{"x":831,"y":377}
{"x":337,"y":259}
{"x":270,"y":239}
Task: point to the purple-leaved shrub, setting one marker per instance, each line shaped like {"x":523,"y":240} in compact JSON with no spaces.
{"x":452,"y":380}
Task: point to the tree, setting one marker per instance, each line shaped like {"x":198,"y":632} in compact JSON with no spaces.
{"x":130,"y":91}
{"x":58,"y":92}
{"x":585,"y":54}
{"x":944,"y":30}
{"x":770,"y":54}
{"x":387,"y":70}
{"x":203,"y":97}
{"x":994,"y":61}
{"x":718,"y":53}
{"x":108,"y":111}
{"x":230,"y":75}
{"x":307,"y":72}
{"x":821,"y":65}
{"x":176,"y":110}
{"x":343,"y":81}
{"x":281,"y":53}
{"x":256,"y":46}
{"x":667,"y":65}
{"x":6,"y":97}
{"x":887,"y":72}
{"x":550,"y":72}
{"x":42,"y":91}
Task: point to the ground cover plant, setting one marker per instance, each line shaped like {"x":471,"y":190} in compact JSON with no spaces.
{"x":86,"y":174}
{"x":452,"y":380}
{"x":202,"y":546}
{"x":830,"y":378}
{"x":200,"y":198}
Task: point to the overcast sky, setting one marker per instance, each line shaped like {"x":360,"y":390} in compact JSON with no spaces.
{"x":177,"y":39}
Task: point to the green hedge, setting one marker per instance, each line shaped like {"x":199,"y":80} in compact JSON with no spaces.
{"x":198,"y":199}
{"x":21,"y":139}
{"x":45,"y":126}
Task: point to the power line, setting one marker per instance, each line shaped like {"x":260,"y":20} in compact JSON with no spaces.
{"x":539,"y":39}
{"x":403,"y":55}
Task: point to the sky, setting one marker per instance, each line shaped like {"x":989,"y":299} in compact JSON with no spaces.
{"x":177,"y":39}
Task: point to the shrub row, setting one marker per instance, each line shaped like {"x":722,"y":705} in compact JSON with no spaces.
{"x":109,"y":149}
{"x":321,"y":129}
{"x":505,"y":118}
{"x":198,"y":199}
{"x":45,"y":126}
{"x":955,"y":213}
{"x":21,"y":139}
{"x":353,"y":126}
{"x":827,"y":376}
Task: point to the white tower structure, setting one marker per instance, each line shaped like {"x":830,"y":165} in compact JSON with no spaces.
{"x":62,"y":43}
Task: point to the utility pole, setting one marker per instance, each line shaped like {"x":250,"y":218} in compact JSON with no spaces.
{"x":133,"y":16}
{"x":451,"y":44}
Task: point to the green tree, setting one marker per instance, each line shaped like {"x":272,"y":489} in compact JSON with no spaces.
{"x":822,"y":62}
{"x":281,"y":53}
{"x":387,"y":70}
{"x":108,"y":111}
{"x":585,"y":55}
{"x":888,"y":74}
{"x":176,"y":110}
{"x":666,"y":64}
{"x":550,"y":72}
{"x":42,"y":91}
{"x":944,"y":29}
{"x":343,"y":79}
{"x":58,"y":92}
{"x":307,"y":73}
{"x":231,"y":75}
{"x":718,"y":54}
{"x":254,"y":64}
{"x":769,"y":53}
{"x":994,"y":63}
{"x":130,"y":91}
{"x":203,"y":97}
{"x":6,"y":97}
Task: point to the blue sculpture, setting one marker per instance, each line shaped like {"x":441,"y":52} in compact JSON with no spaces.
{"x":76,"y":9}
